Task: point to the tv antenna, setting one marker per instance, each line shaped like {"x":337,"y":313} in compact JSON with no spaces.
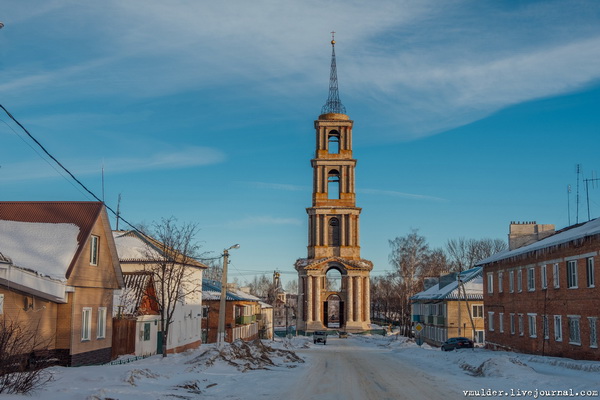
{"x":594,"y":181}
{"x":569,"y":203}
{"x":577,"y":196}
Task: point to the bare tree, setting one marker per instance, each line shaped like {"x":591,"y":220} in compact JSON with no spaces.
{"x":214,"y":272}
{"x":409,"y":256}
{"x":465,"y":253}
{"x":170,"y":257}
{"x":292,"y":287}
{"x":22,"y":358}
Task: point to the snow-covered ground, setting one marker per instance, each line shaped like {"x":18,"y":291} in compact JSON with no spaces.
{"x":256,"y":371}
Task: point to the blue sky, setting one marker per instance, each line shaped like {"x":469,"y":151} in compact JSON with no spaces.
{"x":468,"y":114}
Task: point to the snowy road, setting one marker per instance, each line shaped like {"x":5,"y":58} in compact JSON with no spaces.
{"x":345,"y":369}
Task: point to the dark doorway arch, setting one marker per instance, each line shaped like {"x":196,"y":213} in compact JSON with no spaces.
{"x":334,"y":312}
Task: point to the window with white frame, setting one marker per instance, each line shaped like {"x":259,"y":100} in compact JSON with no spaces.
{"x":500,"y":276}
{"x":531,"y":279}
{"x":94,"y":240}
{"x":501,"y":322}
{"x":556,"y":275}
{"x":479,"y":336}
{"x":589,"y":269}
{"x":593,"y":331}
{"x":511,"y":281}
{"x":520,"y":280}
{"x":490,"y":283}
{"x":490,"y":320}
{"x":546,"y":328}
{"x":101,"y":327}
{"x":1,"y":303}
{"x":558,"y":328}
{"x":572,"y":274}
{"x":512,"y":323}
{"x":146,"y":331}
{"x":477,"y":310}
{"x":86,"y":323}
{"x":544,"y":273}
{"x":574,"y":329}
{"x":521,"y":325}
{"x":531,"y":318}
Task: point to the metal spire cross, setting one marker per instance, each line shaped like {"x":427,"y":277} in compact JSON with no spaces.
{"x":333,"y":103}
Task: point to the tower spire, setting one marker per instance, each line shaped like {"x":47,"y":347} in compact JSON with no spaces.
{"x":333,"y":104}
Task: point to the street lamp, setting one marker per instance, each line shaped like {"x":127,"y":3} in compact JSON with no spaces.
{"x":221,"y":328}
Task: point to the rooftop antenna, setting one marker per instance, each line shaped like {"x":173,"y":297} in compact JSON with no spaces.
{"x":103,"y":180}
{"x":577,"y":197}
{"x":569,"y":203}
{"x":594,"y":181}
{"x":118,"y":210}
{"x":333,"y":103}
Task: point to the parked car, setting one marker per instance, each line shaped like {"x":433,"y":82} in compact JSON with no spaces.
{"x":343,"y":335}
{"x":320,"y":337}
{"x":457,"y":343}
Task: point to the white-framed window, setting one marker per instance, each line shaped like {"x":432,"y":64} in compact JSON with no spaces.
{"x":490,"y":320}
{"x":572,"y":274}
{"x":521,"y":325}
{"x":490,"y":283}
{"x":512,"y":323}
{"x":1,"y":303}
{"x":556,"y":275}
{"x":94,"y":240}
{"x":593,"y":331}
{"x":101,"y":327}
{"x":477,"y":310}
{"x":520,"y":280}
{"x":589,"y":270}
{"x":511,"y":281}
{"x":531,"y":318}
{"x":501,"y":322}
{"x":544,"y":273}
{"x":479,"y":336}
{"x":86,"y":323}
{"x":558,"y":328}
{"x":574,"y":329}
{"x":545,"y":327}
{"x":146,"y":331}
{"x":531,"y":279}
{"x":500,"y":285}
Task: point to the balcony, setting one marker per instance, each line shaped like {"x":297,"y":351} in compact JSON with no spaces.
{"x":429,"y":319}
{"x":245,"y":319}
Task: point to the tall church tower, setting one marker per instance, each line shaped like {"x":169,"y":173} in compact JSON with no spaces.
{"x":334,"y":285}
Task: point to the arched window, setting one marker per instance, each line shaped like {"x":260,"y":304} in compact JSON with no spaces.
{"x":334,"y":280}
{"x":333,"y":184}
{"x":334,"y":232}
{"x":334,"y":142}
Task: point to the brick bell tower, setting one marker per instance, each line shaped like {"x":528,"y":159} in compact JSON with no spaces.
{"x":333,"y":229}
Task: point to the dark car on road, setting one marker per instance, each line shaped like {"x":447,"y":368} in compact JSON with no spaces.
{"x":457,"y":343}
{"x":320,"y":337}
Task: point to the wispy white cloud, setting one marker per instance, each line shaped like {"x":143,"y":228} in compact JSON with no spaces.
{"x":422,"y":67}
{"x":185,"y":158}
{"x":393,"y":193}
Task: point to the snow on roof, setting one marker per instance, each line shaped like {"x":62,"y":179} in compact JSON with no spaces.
{"x":566,"y":235}
{"x":472,"y":283}
{"x":132,"y":247}
{"x":211,"y":290}
{"x":46,"y":248}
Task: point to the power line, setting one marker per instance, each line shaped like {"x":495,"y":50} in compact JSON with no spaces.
{"x":67,"y":171}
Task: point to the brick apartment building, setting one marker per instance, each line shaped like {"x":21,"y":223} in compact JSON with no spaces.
{"x":541,"y":298}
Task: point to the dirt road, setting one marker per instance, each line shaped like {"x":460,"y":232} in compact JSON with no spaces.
{"x":347,"y":369}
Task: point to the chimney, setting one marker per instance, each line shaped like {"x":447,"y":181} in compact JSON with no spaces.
{"x":524,"y":233}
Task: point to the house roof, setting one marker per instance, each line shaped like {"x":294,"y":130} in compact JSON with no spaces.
{"x":562,"y":237}
{"x":211,"y":290}
{"x":472,"y":281}
{"x":46,"y":237}
{"x":136,"y":285}
{"x":136,"y":247}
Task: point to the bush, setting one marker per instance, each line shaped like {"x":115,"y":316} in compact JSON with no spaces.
{"x":22,"y":359}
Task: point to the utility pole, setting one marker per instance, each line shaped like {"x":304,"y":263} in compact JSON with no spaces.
{"x":222,"y":302}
